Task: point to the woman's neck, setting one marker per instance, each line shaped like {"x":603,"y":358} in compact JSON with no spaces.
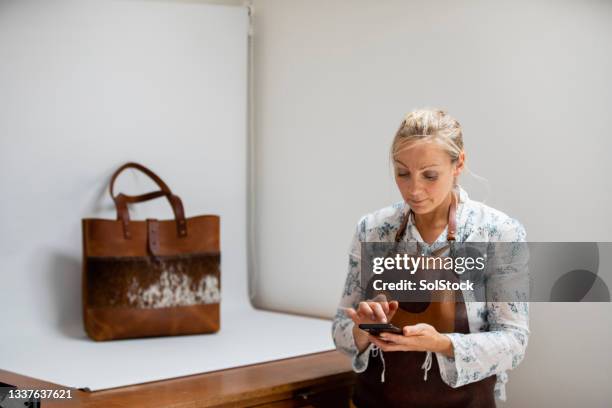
{"x":438,"y":218}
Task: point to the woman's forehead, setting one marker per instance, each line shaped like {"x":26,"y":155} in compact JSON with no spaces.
{"x":421,"y":154}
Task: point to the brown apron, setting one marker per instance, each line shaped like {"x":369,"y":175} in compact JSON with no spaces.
{"x":404,"y":384}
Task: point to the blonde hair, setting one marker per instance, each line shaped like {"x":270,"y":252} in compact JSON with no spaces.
{"x":429,"y":125}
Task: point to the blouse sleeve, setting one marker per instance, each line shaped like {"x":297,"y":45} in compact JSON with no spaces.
{"x":342,"y":326}
{"x":480,"y":355}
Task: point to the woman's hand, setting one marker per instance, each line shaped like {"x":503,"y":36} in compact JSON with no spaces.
{"x":375,"y":311}
{"x":420,"y":337}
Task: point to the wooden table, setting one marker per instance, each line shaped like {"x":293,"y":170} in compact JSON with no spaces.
{"x":314,"y":380}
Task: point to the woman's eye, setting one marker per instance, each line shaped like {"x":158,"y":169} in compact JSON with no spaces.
{"x":431,"y":176}
{"x":402,"y":174}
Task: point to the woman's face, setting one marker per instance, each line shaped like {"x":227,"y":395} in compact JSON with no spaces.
{"x":425,"y":174}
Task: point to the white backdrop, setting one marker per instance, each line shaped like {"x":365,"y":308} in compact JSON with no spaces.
{"x":88,"y":85}
{"x":530,"y":83}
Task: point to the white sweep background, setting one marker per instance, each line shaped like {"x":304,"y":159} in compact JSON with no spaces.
{"x":85,"y":86}
{"x":530,"y":83}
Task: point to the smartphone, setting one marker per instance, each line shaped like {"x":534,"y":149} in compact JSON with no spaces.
{"x":376,"y":328}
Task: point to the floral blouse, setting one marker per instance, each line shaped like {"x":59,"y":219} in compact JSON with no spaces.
{"x":498,"y":330}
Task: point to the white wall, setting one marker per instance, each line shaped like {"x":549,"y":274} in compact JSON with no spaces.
{"x":530,"y":83}
{"x":88,"y":85}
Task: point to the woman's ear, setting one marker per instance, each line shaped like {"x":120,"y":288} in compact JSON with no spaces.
{"x":459,"y":164}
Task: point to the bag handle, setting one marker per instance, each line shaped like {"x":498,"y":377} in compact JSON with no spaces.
{"x":122,"y":200}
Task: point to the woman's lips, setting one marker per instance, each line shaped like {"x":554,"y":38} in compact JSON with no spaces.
{"x":417,"y":203}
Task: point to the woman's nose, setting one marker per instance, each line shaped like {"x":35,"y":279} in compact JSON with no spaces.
{"x":414,"y":189}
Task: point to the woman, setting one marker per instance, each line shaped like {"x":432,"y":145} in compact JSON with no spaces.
{"x":421,"y":366}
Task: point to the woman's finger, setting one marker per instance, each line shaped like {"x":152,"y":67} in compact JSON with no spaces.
{"x":394,"y":347}
{"x":393,"y":306}
{"x":366,"y":311}
{"x":395,"y":338}
{"x":376,"y":340}
{"x":410,"y":343}
{"x":385,"y":307}
{"x":384,"y":303}
{"x":378,"y":311}
{"x":351,"y":313}
{"x":416,"y":330}
{"x":385,"y":346}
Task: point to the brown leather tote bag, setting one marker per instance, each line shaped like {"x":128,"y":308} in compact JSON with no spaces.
{"x":153,"y":277}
